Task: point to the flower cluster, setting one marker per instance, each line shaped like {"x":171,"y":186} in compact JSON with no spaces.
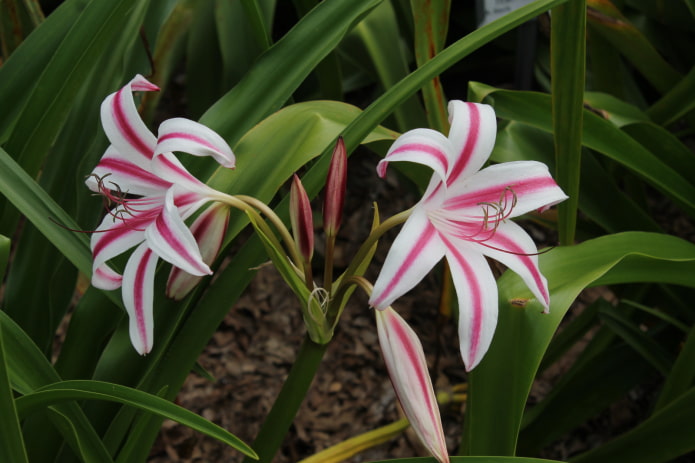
{"x":463,"y":217}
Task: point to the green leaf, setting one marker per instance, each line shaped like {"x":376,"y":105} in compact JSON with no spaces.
{"x":11,"y":439}
{"x":431,"y":22}
{"x":568,"y":68}
{"x":518,"y":141}
{"x":585,"y":390}
{"x":647,"y":347}
{"x":599,"y":134}
{"x":95,"y":390}
{"x":676,"y":103}
{"x":29,"y":370}
{"x":499,"y":386}
{"x":607,"y":20}
{"x":98,"y":26}
{"x":680,"y":378}
{"x":280,"y":70}
{"x":4,"y":255}
{"x":377,"y":33}
{"x":22,"y":70}
{"x":41,"y":210}
{"x":673,"y":426}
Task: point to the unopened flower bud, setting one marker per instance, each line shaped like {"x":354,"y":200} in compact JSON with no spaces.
{"x":302,"y":219}
{"x":335,"y":189}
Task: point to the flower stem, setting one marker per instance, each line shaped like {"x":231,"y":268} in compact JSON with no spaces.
{"x":328,"y":263}
{"x":376,"y":233}
{"x":288,"y":401}
{"x":244,"y":202}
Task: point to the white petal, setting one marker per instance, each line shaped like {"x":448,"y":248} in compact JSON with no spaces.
{"x":422,"y":146}
{"x":104,"y":277}
{"x":208,"y":229}
{"x":407,"y":367}
{"x":187,"y":136}
{"x":513,"y":247}
{"x":115,"y":236}
{"x":414,"y":252}
{"x":476,"y":292}
{"x":472,"y":136}
{"x":169,"y":238}
{"x":123,"y":126}
{"x":169,"y":168}
{"x":138,"y":291}
{"x":515,"y":187}
{"x":117,"y":172}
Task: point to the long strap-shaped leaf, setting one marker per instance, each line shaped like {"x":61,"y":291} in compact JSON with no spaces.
{"x":674,"y":426}
{"x":11,"y":440}
{"x":97,"y":390}
{"x":41,"y":210}
{"x":598,"y":134}
{"x":499,"y":386}
{"x":567,"y":62}
{"x":29,"y":370}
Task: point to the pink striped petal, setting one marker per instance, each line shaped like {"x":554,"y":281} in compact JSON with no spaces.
{"x":209,"y":229}
{"x":422,"y":146}
{"x":472,"y":136}
{"x":118,"y":172}
{"x":171,"y":240}
{"x":123,"y":126}
{"x":476,"y":291}
{"x":516,"y":187}
{"x":414,"y":252}
{"x":190,"y":137}
{"x":513,"y":247}
{"x":104,"y":277}
{"x":407,"y":367}
{"x":138,"y":293}
{"x":169,"y":168}
{"x":114,"y":237}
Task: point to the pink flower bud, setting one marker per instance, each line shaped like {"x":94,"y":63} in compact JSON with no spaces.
{"x":335,"y":189}
{"x":302,"y":219}
{"x":407,"y":367}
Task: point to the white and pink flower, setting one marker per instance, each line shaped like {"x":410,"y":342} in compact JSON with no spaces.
{"x":463,"y":216}
{"x":153,"y":195}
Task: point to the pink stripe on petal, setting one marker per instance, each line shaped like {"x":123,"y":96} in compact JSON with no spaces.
{"x":494,"y":193}
{"x":127,"y":130}
{"x":424,"y":384}
{"x":188,"y":137}
{"x":475,"y":296}
{"x":439,"y":155}
{"x":469,"y":146}
{"x":512,"y":246}
{"x":407,"y":368}
{"x":132,"y":173}
{"x":139,"y":298}
{"x":166,"y":229}
{"x":173,"y":171}
{"x":413,"y":254}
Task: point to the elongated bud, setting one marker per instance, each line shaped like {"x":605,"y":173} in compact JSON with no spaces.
{"x":302,"y":219}
{"x":335,"y":189}
{"x":407,"y":367}
{"x":208,"y":229}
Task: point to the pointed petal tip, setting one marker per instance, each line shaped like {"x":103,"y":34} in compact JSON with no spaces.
{"x":141,"y":84}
